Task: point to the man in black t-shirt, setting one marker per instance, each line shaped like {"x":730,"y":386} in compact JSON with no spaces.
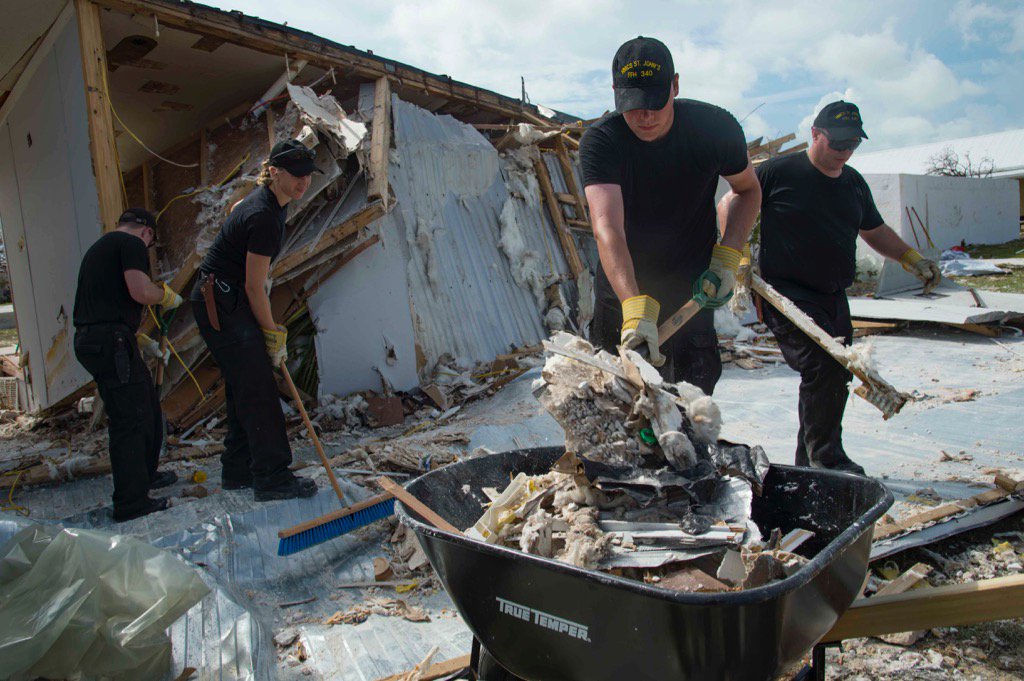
{"x":113,"y":288}
{"x":814,"y":206}
{"x":650,"y":172}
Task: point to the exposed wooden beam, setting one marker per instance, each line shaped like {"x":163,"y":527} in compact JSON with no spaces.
{"x":101,"y":124}
{"x":380,"y":143}
{"x":272,"y":39}
{"x":572,"y":256}
{"x":570,"y":178}
{"x":333,"y":236}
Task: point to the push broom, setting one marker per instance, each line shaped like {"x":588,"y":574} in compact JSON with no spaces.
{"x":336,"y":523}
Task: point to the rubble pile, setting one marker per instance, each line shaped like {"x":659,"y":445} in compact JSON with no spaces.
{"x":645,"y":490}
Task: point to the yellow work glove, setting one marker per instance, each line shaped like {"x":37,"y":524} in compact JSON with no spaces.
{"x":276,"y":341}
{"x":640,"y":326}
{"x":725,"y":262}
{"x":171,"y":299}
{"x":921,"y":267}
{"x":150,"y":348}
{"x":743,"y":270}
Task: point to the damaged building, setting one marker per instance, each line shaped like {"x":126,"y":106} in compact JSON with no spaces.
{"x":416,"y":227}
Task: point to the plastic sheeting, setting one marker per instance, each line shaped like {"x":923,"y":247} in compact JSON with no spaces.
{"x":89,"y":603}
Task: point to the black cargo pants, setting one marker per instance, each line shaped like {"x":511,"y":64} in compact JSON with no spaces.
{"x":134,"y":423}
{"x":824,"y":383}
{"x":256,"y":445}
{"x":691,"y":355}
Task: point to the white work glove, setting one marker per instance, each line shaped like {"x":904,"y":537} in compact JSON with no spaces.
{"x":921,"y":267}
{"x":640,"y":326}
{"x":150,"y":348}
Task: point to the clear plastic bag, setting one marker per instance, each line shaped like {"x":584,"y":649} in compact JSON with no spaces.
{"x":89,"y":603}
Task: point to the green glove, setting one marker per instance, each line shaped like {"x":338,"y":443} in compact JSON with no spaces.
{"x":921,"y":267}
{"x":640,"y":326}
{"x":715,"y":287}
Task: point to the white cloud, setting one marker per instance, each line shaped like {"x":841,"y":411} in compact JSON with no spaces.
{"x":980,"y":21}
{"x":889,"y":58}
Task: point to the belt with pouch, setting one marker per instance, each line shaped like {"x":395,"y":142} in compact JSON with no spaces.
{"x":210,"y":281}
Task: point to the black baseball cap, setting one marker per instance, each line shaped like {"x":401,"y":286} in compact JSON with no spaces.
{"x":841,"y":120}
{"x":293,"y":156}
{"x":137,"y":216}
{"x":642,"y":74}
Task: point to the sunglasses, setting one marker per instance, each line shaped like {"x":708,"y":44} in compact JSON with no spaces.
{"x":298,"y":154}
{"x":842,"y":145}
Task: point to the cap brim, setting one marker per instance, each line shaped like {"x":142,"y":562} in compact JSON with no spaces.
{"x":299,"y":167}
{"x":847,"y":132}
{"x":652,"y":98}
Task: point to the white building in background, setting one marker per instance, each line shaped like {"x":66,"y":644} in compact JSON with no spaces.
{"x":1004,"y":149}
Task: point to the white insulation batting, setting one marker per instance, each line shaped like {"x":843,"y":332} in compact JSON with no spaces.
{"x":440,"y":281}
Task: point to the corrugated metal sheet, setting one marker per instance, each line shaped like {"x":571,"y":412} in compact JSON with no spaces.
{"x":1005,"y":149}
{"x":450,"y":186}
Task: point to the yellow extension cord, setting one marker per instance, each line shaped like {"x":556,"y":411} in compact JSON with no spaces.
{"x":199,"y":389}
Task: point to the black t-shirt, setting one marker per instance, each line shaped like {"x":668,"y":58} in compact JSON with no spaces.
{"x":256,"y":225}
{"x":809,"y":226}
{"x":102,"y":296}
{"x":668,"y":191}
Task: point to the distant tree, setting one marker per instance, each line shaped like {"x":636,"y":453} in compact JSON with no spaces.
{"x":951,"y":164}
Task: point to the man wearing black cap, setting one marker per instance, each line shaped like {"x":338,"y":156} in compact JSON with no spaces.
{"x":814,"y":206}
{"x":113,"y":288}
{"x":650,"y":172}
{"x":232,"y":310}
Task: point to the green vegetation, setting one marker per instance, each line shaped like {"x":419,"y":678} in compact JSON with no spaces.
{"x":1011,"y":249}
{"x":1007,"y":283}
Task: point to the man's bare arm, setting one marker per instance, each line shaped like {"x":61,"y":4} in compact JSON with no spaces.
{"x":885,"y":241}
{"x":739,"y":207}
{"x":607,"y":216}
{"x":142,"y":289}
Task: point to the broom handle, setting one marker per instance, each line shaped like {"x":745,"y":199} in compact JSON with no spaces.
{"x":312,"y":433}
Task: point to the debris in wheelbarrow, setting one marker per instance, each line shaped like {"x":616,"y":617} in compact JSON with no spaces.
{"x":645,"y":489}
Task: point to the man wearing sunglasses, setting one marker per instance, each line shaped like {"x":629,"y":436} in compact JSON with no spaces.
{"x":813,"y":208}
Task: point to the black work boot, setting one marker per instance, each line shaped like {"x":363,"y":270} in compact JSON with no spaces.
{"x":231,"y":483}
{"x":843,"y":464}
{"x":296,"y":488}
{"x":154,"y":505}
{"x":163,"y":479}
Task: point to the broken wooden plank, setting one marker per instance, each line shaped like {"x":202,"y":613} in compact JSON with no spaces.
{"x":572,"y":255}
{"x":334,"y":235}
{"x":980,"y":329}
{"x":875,"y":389}
{"x":380,"y":143}
{"x":938,"y":513}
{"x":952,"y":605}
{"x":435,"y":671}
{"x":101,"y":123}
{"x":912,"y":578}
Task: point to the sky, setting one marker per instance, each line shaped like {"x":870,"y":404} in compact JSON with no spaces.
{"x":920,"y":70}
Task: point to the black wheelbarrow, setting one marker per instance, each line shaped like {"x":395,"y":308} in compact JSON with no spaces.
{"x":543,"y":620}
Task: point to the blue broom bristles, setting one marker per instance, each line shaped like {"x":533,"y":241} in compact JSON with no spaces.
{"x":335,"y":528}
